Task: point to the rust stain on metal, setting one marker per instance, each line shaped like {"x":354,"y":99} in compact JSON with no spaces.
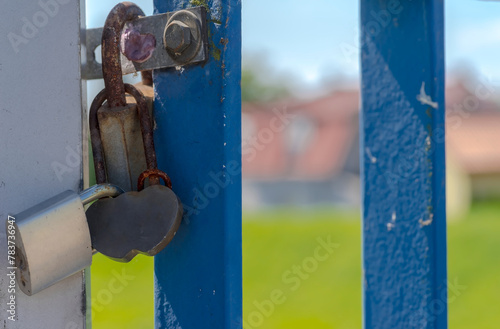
{"x":111,"y":63}
{"x":115,"y":95}
{"x":122,"y":144}
{"x":150,"y":173}
{"x":95,"y":137}
{"x":146,"y":129}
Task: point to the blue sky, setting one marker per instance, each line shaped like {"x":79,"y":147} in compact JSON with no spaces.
{"x":304,"y":38}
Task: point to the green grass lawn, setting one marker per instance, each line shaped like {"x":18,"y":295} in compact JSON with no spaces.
{"x":292,"y":281}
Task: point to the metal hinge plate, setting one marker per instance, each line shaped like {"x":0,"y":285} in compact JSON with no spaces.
{"x":160,"y":58}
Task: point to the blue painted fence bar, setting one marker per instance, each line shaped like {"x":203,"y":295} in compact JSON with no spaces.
{"x":198,"y":117}
{"x":403,"y":164}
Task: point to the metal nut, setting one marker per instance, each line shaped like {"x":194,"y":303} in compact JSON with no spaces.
{"x":177,"y":37}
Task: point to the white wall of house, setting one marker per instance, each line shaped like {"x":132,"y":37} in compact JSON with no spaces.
{"x":40,"y":140}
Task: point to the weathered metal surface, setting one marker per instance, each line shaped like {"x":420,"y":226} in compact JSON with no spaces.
{"x":135,"y":223}
{"x":120,"y":134}
{"x":177,"y":37}
{"x":136,"y":46}
{"x":91,"y":69}
{"x":120,"y":124}
{"x":198,"y":120}
{"x":95,"y":137}
{"x":41,"y":139}
{"x":111,"y":55}
{"x":153,"y":172}
{"x":403,"y":165}
{"x":146,"y":130}
{"x":160,"y":58}
{"x":184,"y":35}
{"x":121,"y":138}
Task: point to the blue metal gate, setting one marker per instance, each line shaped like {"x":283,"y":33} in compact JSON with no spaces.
{"x":403,"y":164}
{"x":198,"y":276}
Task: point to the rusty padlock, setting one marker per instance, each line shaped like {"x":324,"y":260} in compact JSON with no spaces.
{"x":136,"y":222}
{"x":122,"y":140}
{"x":118,"y":119}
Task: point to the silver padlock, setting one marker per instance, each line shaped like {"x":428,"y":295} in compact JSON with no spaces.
{"x":53,"y":238}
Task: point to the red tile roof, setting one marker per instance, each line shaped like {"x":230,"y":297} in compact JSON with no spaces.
{"x":475,"y":144}
{"x":335,"y":125}
{"x":473,"y":138}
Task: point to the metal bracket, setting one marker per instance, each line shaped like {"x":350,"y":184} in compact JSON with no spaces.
{"x":192,"y":18}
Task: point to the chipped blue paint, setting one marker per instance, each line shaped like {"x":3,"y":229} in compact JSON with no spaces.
{"x":198,"y":128}
{"x":403,"y":164}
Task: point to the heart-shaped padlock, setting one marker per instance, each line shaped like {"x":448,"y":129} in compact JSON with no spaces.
{"x":135,"y":222}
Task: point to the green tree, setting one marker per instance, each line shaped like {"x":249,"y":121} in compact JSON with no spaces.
{"x":253,"y":89}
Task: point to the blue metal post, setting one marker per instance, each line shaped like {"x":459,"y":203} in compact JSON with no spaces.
{"x":403,"y":164}
{"x":198,"y":120}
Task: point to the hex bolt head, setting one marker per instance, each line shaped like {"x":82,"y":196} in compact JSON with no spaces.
{"x":177,"y":37}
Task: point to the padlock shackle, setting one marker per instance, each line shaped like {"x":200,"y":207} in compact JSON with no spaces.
{"x":150,"y":173}
{"x":111,"y":58}
{"x":146,"y":129}
{"x":115,"y":89}
{"x":100,"y":191}
{"x":97,"y":192}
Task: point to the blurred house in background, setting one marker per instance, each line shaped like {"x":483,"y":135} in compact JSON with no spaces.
{"x":473,"y":144}
{"x":302,"y":153}
{"x":306,"y":153}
